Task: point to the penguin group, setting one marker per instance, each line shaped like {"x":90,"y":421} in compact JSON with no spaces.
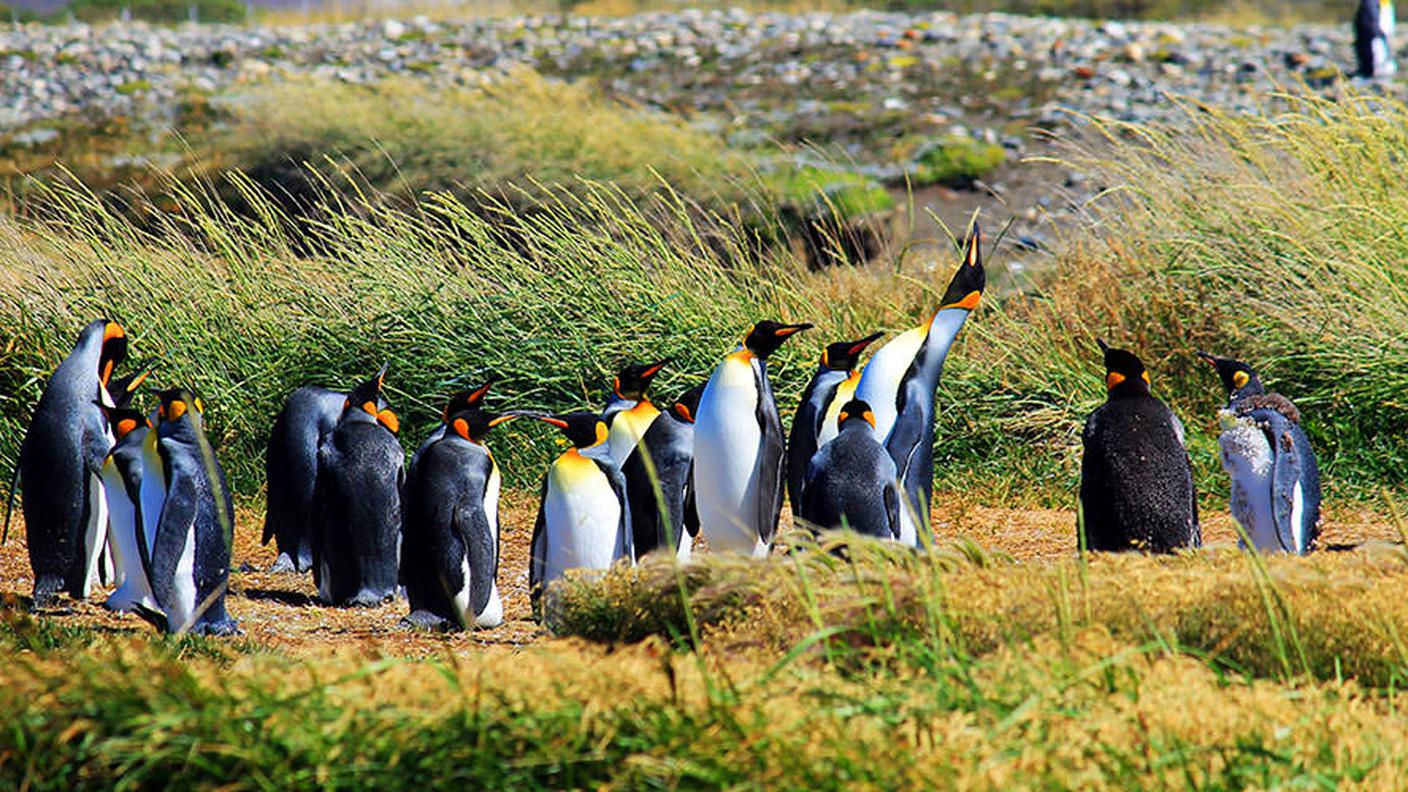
{"x":138,"y":500}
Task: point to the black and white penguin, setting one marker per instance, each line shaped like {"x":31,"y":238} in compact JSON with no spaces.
{"x":188,"y":564}
{"x":584,"y":521}
{"x":459,"y":400}
{"x":1275,"y":478}
{"x":291,"y":470}
{"x":900,"y":381}
{"x":814,"y":423}
{"x":629,"y":413}
{"x":134,"y":482}
{"x":658,"y":480}
{"x":356,"y":528}
{"x":450,"y":554}
{"x":60,"y":466}
{"x":739,"y":446}
{"x":851,"y":482}
{"x":1373,"y":38}
{"x":1136,"y":480}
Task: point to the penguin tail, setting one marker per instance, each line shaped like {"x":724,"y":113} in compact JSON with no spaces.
{"x":10,"y":503}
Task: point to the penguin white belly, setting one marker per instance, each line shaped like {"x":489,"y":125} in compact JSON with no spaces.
{"x":461,"y":598}
{"x":583,"y":518}
{"x":845,"y":391}
{"x":1246,"y":456}
{"x":627,"y":428}
{"x":493,"y":613}
{"x":95,"y":533}
{"x":183,"y":588}
{"x":686,"y":547}
{"x":123,"y":536}
{"x":880,"y":382}
{"x":1297,"y":517}
{"x":727,"y":447}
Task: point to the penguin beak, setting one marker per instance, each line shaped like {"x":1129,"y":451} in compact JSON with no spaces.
{"x":504,"y":418}
{"x":1104,"y":347}
{"x":477,"y":395}
{"x":654,"y":368}
{"x":381,"y":374}
{"x":553,"y":420}
{"x":1211,"y":359}
{"x":860,"y":345}
{"x":787,"y":330}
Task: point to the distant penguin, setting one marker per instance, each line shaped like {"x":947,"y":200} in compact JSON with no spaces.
{"x":814,"y":423}
{"x":1275,"y":478}
{"x":1136,"y":480}
{"x":356,"y":529}
{"x":188,"y":564}
{"x":584,"y":521}
{"x":291,"y":470}
{"x":738,"y":446}
{"x":450,"y":555}
{"x":459,"y":400}
{"x":660,"y":465}
{"x":900,"y":381}
{"x":851,"y":482}
{"x":630,"y":412}
{"x":1373,"y":38}
{"x":60,"y":465}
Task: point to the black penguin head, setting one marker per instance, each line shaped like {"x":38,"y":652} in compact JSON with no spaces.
{"x":123,"y":420}
{"x":631,"y":381}
{"x":965,"y":289}
{"x":114,"y":346}
{"x":179,"y":407}
{"x":687,"y":404}
{"x":1124,"y":372}
{"x":583,"y":429}
{"x":1237,"y":377}
{"x":466,"y":399}
{"x":366,"y":400}
{"x":766,"y":336}
{"x":121,"y":389}
{"x":473,"y":424}
{"x":844,"y":355}
{"x":857,"y":412}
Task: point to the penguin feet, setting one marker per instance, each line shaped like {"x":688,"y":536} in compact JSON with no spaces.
{"x":284,"y":563}
{"x":221,"y":628}
{"x":370,"y":599}
{"x":46,"y":591}
{"x":121,"y":601}
{"x":427,"y":621}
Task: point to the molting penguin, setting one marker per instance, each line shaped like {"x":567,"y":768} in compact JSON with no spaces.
{"x":291,"y":467}
{"x":356,"y":530}
{"x":584,"y":521}
{"x":658,"y":480}
{"x":1373,"y":38}
{"x":1136,"y":481}
{"x":450,"y":555}
{"x":899,"y":384}
{"x":852,"y":482}
{"x":60,"y":464}
{"x":1275,"y":479}
{"x":630,"y":412}
{"x":187,"y":563}
{"x":738,"y":446}
{"x":814,"y":423}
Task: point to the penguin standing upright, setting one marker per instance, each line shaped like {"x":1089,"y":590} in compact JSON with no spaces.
{"x":738,"y":446}
{"x":1275,"y":478}
{"x":851,"y":482}
{"x":1373,"y":38}
{"x":900,"y":381}
{"x":658,"y":480}
{"x":188,"y":565}
{"x":356,"y":529}
{"x":450,"y":555}
{"x":60,"y":465}
{"x":814,"y":423}
{"x":291,"y":470}
{"x":1136,"y":480}
{"x":134,"y":482}
{"x":630,"y":412}
{"x":459,"y":400}
{"x":584,"y":521}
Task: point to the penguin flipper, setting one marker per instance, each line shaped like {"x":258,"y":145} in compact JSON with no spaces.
{"x":537,"y":549}
{"x":691,"y":508}
{"x":178,"y":514}
{"x":472,"y":527}
{"x":625,"y":531}
{"x":892,"y":509}
{"x":772,"y":464}
{"x":1285,"y":474}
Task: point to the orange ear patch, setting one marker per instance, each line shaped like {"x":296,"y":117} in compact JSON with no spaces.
{"x":869,"y":418}
{"x":113,"y":330}
{"x":683,"y":412}
{"x":968,"y":303}
{"x":369,"y":408}
{"x":461,"y":427}
{"x":125,"y":427}
{"x":601,"y":431}
{"x":389,"y":420}
{"x":1113,"y":378}
{"x":177,"y":409}
{"x":1145,"y":375}
{"x":200,"y":407}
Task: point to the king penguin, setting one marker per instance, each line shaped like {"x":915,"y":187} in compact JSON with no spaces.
{"x":458,"y":401}
{"x":738,"y":446}
{"x":356,"y":529}
{"x":814,"y":423}
{"x":450,"y":555}
{"x":1275,"y":478}
{"x":134,"y":484}
{"x":291,"y":467}
{"x":658,"y":480}
{"x":188,"y":564}
{"x":851,"y":481}
{"x":900,"y":381}
{"x":1373,"y":38}
{"x":630,"y":412}
{"x":584,"y":521}
{"x":1136,"y":480}
{"x":60,"y":466}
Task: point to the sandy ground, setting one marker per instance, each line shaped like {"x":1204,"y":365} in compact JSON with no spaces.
{"x":280,"y":611}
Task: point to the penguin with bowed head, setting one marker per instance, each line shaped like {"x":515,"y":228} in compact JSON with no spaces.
{"x":658,"y":486}
{"x":851,"y":482}
{"x":739,"y":446}
{"x":832,"y":385}
{"x":1274,"y":475}
{"x":291,"y":469}
{"x":1136,"y":480}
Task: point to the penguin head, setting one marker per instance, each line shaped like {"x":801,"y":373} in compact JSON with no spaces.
{"x":844,"y":355}
{"x":965,"y":289}
{"x":366,"y":403}
{"x":631,"y":381}
{"x":114,"y":346}
{"x":179,"y":407}
{"x":1124,"y":372}
{"x":473,"y":424}
{"x":855,"y":412}
{"x":766,"y":336}
{"x":687,"y":404}
{"x":583,"y":429}
{"x":1237,"y":377}
{"x":123,"y":420}
{"x":466,"y":399}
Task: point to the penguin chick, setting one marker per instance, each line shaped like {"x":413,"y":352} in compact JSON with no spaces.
{"x":851,"y":481}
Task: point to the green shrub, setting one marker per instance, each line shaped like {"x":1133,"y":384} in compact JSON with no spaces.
{"x":956,"y":161}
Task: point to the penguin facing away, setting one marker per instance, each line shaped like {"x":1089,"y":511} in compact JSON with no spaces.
{"x":60,"y":466}
{"x":738,"y":446}
{"x":658,"y":483}
{"x":584,"y":521}
{"x":450,"y":555}
{"x":851,"y":481}
{"x":188,"y":565}
{"x":1275,"y":479}
{"x":134,"y":482}
{"x":291,"y":470}
{"x":814,"y":423}
{"x":356,"y":529}
{"x":900,"y":381}
{"x":1136,"y":480}
{"x":630,"y":412}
